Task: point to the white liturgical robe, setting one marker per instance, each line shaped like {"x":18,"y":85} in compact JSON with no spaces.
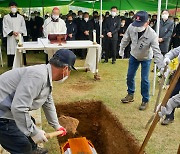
{"x":13,"y":24}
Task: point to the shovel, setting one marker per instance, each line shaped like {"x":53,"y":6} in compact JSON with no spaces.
{"x":165,"y":100}
{"x":158,"y":97}
{"x":69,"y":123}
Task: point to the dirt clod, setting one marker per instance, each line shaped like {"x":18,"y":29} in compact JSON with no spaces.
{"x":69,"y":123}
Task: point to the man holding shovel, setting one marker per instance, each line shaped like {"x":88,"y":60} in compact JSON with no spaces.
{"x":143,"y":37}
{"x":30,"y":88}
{"x":168,"y":57}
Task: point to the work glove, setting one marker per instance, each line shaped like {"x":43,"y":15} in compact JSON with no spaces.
{"x":166,"y":73}
{"x":39,"y":137}
{"x":158,"y":107}
{"x":166,"y":61}
{"x":121,"y":53}
{"x":165,"y":110}
{"x":62,"y":129}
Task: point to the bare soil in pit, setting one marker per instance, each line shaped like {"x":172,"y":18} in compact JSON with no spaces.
{"x":100,"y":126}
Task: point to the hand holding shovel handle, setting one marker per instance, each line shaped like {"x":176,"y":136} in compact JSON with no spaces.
{"x":53,"y":134}
{"x":165,"y":100}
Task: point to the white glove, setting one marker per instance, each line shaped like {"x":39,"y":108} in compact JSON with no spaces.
{"x":39,"y":137}
{"x":165,"y":110}
{"x":166,"y":61}
{"x":158,"y":107}
{"x":164,"y":73}
{"x":121,"y":52}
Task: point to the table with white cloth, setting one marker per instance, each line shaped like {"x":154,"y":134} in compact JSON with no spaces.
{"x":91,"y":61}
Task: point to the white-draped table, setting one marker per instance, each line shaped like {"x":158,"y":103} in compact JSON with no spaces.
{"x":91,"y":61}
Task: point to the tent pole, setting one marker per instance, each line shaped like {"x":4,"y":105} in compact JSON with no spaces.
{"x":101,"y":23}
{"x":29,"y":9}
{"x":176,"y":7}
{"x":166,"y":4}
{"x":93,"y":5}
{"x":157,"y":31}
{"x":158,"y":17}
{"x":119,"y":7}
{"x":43,"y":8}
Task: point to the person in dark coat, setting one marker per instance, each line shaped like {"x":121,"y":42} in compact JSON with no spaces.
{"x":86,"y":28}
{"x":78,"y":21}
{"x":165,"y":32}
{"x":176,"y":34}
{"x":85,"y":33}
{"x":111,"y":28}
{"x":39,"y":20}
{"x":71,"y":28}
{"x":34,"y":28}
{"x":121,"y":32}
{"x":94,"y":22}
{"x":130,"y":19}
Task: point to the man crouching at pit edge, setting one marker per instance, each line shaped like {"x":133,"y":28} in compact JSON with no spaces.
{"x":29,"y":88}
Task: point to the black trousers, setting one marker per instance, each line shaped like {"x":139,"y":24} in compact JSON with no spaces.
{"x":175,"y":92}
{"x":13,"y":140}
{"x":46,"y":58}
{"x":110,"y":49}
{"x":10,"y":60}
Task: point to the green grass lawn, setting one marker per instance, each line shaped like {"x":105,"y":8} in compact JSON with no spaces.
{"x":110,"y":89}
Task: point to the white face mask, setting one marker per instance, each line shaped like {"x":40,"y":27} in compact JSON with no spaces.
{"x":165,"y":16}
{"x":33,"y":17}
{"x":55,"y":17}
{"x":140,"y":29}
{"x":86,"y":19}
{"x":176,"y":22}
{"x":14,"y":10}
{"x":122,"y":24}
{"x":151,"y":25}
{"x":131,"y":16}
{"x":113,"y":14}
{"x":64,"y":77}
{"x":80,"y":16}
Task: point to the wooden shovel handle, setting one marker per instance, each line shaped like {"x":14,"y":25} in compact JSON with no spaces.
{"x":165,"y":100}
{"x":53,"y":134}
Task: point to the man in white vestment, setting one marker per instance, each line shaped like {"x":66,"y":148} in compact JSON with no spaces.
{"x":54,"y":25}
{"x":13,"y":26}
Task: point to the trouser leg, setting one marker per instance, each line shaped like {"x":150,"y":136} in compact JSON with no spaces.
{"x":133,"y":66}
{"x":114,"y":49}
{"x":10,"y":60}
{"x":145,"y":85}
{"x":12,"y":139}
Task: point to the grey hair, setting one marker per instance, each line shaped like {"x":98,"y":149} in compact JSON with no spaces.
{"x":56,"y":62}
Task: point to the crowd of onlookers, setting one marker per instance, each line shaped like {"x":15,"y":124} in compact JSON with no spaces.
{"x":80,"y":23}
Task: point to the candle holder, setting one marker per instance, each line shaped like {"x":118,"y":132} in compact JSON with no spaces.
{"x":94,"y":37}
{"x":20,"y":45}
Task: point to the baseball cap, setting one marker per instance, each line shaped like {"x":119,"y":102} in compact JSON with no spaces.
{"x":141,"y":18}
{"x":63,"y":57}
{"x":12,"y":4}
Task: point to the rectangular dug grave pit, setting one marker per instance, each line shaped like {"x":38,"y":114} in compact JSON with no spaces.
{"x":100,"y":126}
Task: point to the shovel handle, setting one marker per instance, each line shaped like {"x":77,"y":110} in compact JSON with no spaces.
{"x":53,"y":134}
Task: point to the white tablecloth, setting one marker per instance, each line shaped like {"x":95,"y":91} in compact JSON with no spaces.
{"x":43,"y":44}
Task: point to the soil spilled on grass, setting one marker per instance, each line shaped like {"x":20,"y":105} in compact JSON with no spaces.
{"x":100,"y":126}
{"x":82,"y":86}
